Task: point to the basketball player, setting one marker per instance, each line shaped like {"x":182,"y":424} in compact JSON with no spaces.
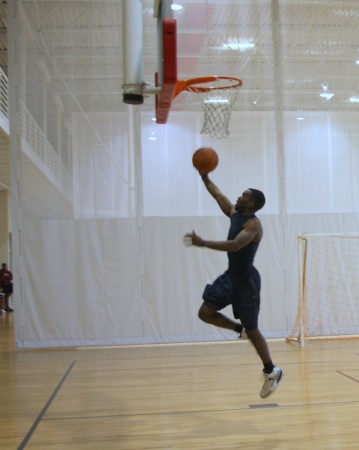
{"x":240,"y":284}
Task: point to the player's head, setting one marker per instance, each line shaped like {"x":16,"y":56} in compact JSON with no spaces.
{"x":258,"y":198}
{"x":250,"y":201}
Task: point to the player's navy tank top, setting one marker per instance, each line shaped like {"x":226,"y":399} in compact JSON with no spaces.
{"x":242,"y":261}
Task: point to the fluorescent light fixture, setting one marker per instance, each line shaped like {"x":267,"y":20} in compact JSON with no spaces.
{"x":357,"y":61}
{"x":300,"y":118}
{"x":354,"y":99}
{"x":217,"y":100}
{"x":176,"y":7}
{"x":152,"y":137}
{"x":327,"y":95}
{"x":242,"y":45}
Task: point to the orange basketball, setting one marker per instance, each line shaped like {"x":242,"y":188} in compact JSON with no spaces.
{"x":205,"y":159}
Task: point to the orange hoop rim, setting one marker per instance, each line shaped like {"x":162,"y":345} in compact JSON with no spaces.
{"x":185,"y":85}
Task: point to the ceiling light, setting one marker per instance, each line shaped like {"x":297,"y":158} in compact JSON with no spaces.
{"x":152,"y":137}
{"x":176,"y":7}
{"x":327,"y":95}
{"x":346,"y":12}
{"x":300,"y":118}
{"x":354,"y":99}
{"x":216,"y":100}
{"x":242,"y":46}
{"x":357,"y":61}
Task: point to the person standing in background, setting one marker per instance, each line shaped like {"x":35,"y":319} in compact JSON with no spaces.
{"x":6,"y":286}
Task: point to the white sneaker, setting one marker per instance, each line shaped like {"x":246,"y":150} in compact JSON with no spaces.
{"x":271,"y":381}
{"x":2,"y":311}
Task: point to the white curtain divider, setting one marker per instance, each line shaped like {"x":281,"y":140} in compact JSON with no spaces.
{"x":83,"y":286}
{"x":98,"y":258}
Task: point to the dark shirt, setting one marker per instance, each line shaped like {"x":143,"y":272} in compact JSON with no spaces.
{"x":241,"y":262}
{"x":5,"y":277}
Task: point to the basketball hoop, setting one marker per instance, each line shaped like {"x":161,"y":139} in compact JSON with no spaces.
{"x":218,"y":96}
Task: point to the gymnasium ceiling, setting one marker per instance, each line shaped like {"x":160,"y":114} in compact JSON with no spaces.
{"x":316,"y":50}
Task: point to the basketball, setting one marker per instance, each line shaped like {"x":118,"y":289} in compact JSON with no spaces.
{"x":205,"y":159}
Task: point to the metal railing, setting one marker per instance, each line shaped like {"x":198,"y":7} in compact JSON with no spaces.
{"x":4,"y":94}
{"x":35,"y":138}
{"x":39,"y":144}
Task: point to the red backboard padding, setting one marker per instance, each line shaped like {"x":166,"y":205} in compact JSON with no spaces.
{"x":164,"y":98}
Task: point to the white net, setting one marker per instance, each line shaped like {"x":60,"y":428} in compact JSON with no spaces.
{"x":329,"y":285}
{"x":217,"y":105}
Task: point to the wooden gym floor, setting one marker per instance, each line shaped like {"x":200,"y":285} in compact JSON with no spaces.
{"x":191,"y":396}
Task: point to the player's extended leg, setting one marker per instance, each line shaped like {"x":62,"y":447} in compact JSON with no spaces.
{"x":272,"y":375}
{"x":212,"y":316}
{"x":260,"y":344}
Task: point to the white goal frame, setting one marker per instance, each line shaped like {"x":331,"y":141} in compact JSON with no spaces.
{"x":301,"y":330}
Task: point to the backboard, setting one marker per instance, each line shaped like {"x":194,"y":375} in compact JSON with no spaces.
{"x":165,"y":79}
{"x":166,"y":76}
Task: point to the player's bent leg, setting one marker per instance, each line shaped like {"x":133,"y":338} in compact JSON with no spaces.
{"x":210,"y":315}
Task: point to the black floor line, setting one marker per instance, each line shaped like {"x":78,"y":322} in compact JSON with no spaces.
{"x":45,"y":408}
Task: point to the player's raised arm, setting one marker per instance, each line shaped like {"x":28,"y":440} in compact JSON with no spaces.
{"x":205,"y":160}
{"x":224,"y":203}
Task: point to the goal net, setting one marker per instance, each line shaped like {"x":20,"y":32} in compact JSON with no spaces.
{"x":328,"y":303}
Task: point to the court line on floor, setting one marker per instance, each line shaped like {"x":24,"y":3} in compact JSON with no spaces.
{"x":202,"y":411}
{"x":348,"y":376}
{"x":45,"y":408}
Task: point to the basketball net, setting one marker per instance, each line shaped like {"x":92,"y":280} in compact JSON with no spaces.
{"x":217,"y":101}
{"x":217,"y":112}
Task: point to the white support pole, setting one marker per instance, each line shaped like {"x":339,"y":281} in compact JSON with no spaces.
{"x":303,"y":269}
{"x":132,"y":52}
{"x":17,"y":65}
{"x":135,"y":152}
{"x":278,"y":99}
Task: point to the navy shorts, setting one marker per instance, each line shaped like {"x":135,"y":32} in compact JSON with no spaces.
{"x":243,"y":294}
